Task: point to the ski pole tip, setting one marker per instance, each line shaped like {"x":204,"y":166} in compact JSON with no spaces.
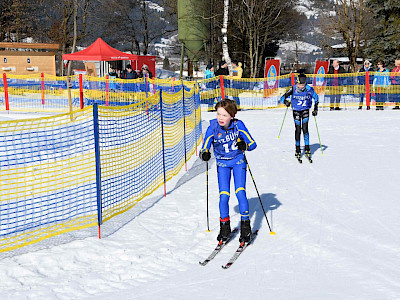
{"x":208,"y":231}
{"x":272,"y":233}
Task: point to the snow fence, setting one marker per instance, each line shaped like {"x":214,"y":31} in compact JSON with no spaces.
{"x":50,"y":93}
{"x":73,"y":171}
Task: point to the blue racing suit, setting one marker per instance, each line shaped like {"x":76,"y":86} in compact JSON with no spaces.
{"x":230,"y":158}
{"x":301,"y":104}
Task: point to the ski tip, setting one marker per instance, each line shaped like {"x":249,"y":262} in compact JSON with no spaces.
{"x":272,"y":233}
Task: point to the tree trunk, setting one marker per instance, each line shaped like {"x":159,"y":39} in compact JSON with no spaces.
{"x":224,"y":31}
{"x":75,"y":33}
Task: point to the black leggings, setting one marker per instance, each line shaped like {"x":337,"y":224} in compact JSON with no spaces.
{"x":301,"y":118}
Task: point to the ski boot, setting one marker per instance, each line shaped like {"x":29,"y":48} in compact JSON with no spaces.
{"x":307,"y":151}
{"x":245,"y":231}
{"x":225,"y":231}
{"x":298,"y":153}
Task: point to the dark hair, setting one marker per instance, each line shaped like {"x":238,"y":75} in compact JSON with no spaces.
{"x":209,"y":66}
{"x":221,"y":63}
{"x":229,"y":105}
{"x":302,"y":78}
{"x":128,"y":66}
{"x":235,"y":61}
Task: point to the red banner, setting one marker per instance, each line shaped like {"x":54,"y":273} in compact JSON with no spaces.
{"x":321,"y":69}
{"x":271,"y":72}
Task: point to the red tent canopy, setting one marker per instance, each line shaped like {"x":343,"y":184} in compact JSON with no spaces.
{"x":100,"y":51}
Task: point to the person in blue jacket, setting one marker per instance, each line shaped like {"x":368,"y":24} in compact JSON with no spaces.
{"x":301,"y":96}
{"x":229,"y":138}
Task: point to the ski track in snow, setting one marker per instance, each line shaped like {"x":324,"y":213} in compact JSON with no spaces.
{"x":336,"y":223}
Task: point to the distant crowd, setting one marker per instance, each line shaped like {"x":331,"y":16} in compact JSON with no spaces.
{"x":129,"y":73}
{"x":379,"y":82}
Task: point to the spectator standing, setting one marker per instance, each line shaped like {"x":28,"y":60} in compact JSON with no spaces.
{"x":112,"y":73}
{"x":361,"y":79}
{"x":395,"y":81}
{"x":145,"y":72}
{"x":209,"y":71}
{"x":223,"y":69}
{"x":381,"y":84}
{"x":237,"y":71}
{"x":128,"y":73}
{"x":336,"y":82}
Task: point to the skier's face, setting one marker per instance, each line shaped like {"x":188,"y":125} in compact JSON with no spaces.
{"x":223,"y":117}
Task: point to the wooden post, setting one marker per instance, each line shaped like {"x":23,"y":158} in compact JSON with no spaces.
{"x":107,"y":89}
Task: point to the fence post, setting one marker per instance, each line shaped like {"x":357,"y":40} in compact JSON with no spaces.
{"x":195,"y":115}
{"x":6,"y":92}
{"x":81,"y":90}
{"x":184,"y":124}
{"x":163,"y":144}
{"x":221,"y":82}
{"x":69,"y":86}
{"x":42,"y":83}
{"x":107,"y":89}
{"x":367,"y":90}
{"x":98,"y":167}
{"x":145,"y":85}
{"x":293,"y":81}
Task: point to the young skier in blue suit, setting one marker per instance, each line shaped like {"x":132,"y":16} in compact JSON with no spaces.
{"x":302,"y":95}
{"x":229,"y":137}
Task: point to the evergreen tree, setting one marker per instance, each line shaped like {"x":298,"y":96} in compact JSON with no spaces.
{"x":386,"y":43}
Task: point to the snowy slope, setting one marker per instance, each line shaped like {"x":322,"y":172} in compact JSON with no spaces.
{"x":336,"y":224}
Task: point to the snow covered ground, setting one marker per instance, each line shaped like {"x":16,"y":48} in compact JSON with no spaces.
{"x":336,"y":223}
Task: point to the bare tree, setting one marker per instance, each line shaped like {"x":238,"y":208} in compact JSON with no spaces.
{"x":134,"y":24}
{"x":259,"y":22}
{"x":350,"y":22}
{"x":16,"y":20}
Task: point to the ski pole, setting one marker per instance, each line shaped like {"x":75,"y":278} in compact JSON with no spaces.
{"x":208,"y":223}
{"x":318,"y":135}
{"x":287,"y":107}
{"x":259,"y":198}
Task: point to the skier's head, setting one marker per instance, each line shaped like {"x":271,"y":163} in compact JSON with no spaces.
{"x":226,"y":111}
{"x":301,"y":84}
{"x":302,"y":78}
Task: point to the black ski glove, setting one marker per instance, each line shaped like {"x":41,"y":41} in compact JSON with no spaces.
{"x":205,"y":155}
{"x":315,"y":111}
{"x":242,"y":146}
{"x":286,"y":102}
